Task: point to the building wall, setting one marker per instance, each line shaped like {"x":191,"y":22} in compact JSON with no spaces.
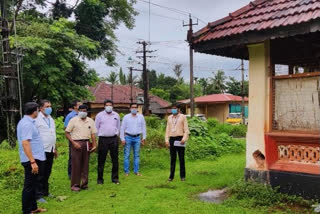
{"x":218,"y":111}
{"x":259,"y":60}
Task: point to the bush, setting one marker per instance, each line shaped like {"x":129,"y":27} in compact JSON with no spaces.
{"x":239,"y":131}
{"x":251,"y":194}
{"x":154,"y":122}
{"x":60,"y":130}
{"x":155,"y":138}
{"x":197,"y":127}
{"x":212,"y":123}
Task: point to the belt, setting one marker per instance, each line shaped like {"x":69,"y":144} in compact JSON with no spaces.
{"x":131,"y":135}
{"x":108,"y":136}
{"x":82,"y":140}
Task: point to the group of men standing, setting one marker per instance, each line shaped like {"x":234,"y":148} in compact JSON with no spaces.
{"x":37,"y":145}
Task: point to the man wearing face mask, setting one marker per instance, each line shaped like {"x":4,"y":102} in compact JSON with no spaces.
{"x":133,"y":126}
{"x":47,"y":131}
{"x":177,"y":132}
{"x":75,"y":106}
{"x":108,"y":127}
{"x":32,"y":155}
{"x":79,"y":132}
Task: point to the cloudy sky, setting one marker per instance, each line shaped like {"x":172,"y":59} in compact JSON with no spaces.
{"x":167,"y":36}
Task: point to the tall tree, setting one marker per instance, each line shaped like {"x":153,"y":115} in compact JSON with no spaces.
{"x":60,"y":10}
{"x":123,"y":78}
{"x":204,"y":83}
{"x":51,"y":60}
{"x":218,"y":82}
{"x":178,"y":72}
{"x":112,"y":79}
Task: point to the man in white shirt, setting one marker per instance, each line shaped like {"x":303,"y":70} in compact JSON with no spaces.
{"x":133,"y":126}
{"x":47,"y":130}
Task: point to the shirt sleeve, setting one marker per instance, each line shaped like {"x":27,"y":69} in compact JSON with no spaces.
{"x":118,"y":124}
{"x":67,"y":120}
{"x":70,"y":126}
{"x":144,"y":129}
{"x":123,"y":125}
{"x":94,"y":129}
{"x":26,"y":132}
{"x":185,"y":129}
{"x":167,"y":131}
{"x":97,"y":121}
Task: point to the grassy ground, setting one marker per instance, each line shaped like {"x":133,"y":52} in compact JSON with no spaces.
{"x":150,"y":193}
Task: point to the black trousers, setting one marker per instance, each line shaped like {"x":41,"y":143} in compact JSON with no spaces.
{"x":31,"y":187}
{"x":69,"y":161}
{"x":47,"y":168}
{"x":108,"y":144}
{"x":173,"y":154}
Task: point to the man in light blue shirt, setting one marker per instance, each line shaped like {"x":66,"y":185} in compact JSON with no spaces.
{"x":75,"y":106}
{"x":32,"y":156}
{"x":133,"y":126}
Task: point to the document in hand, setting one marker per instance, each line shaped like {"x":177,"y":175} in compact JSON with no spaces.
{"x":178,"y":143}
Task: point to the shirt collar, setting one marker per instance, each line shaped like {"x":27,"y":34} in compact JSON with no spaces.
{"x":27,"y":117}
{"x":43,"y":116}
{"x":79,"y":119}
{"x":112,"y":113}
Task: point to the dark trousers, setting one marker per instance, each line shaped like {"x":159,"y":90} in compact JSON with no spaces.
{"x":69,"y":160}
{"x":30,"y":188}
{"x":173,"y":154}
{"x":80,"y":165}
{"x":108,"y":144}
{"x":47,"y":168}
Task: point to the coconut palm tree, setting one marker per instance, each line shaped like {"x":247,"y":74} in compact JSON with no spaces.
{"x":219,"y":81}
{"x":112,"y":79}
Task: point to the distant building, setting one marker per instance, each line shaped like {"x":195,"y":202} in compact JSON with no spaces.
{"x":217,"y":106}
{"x":122,"y":99}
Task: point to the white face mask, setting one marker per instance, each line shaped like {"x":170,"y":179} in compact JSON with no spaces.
{"x":82,"y":114}
{"x":108,"y":109}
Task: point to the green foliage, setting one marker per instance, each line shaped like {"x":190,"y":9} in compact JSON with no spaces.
{"x":250,"y":194}
{"x":197,"y":127}
{"x":60,"y":130}
{"x":235,"y":87}
{"x":160,"y":93}
{"x":212,"y":123}
{"x":154,"y":122}
{"x":53,"y":52}
{"x":211,"y":139}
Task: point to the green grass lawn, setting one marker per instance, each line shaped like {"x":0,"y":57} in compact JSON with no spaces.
{"x":150,"y":193}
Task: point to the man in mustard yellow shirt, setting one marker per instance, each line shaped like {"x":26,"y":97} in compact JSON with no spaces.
{"x":177,"y":134}
{"x":79,"y":131}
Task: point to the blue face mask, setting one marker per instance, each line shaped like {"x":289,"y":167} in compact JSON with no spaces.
{"x":134,"y":111}
{"x":48,"y":111}
{"x":174,"y":111}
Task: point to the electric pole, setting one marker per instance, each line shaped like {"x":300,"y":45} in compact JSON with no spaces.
{"x":145,"y":77}
{"x":190,"y":40}
{"x":10,"y":80}
{"x":242,"y":93}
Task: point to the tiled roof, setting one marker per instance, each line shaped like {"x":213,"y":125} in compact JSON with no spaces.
{"x":261,"y":15}
{"x":216,"y":98}
{"x":121,"y":94}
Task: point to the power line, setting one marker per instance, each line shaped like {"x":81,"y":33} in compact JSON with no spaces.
{"x":155,"y":14}
{"x":185,"y":13}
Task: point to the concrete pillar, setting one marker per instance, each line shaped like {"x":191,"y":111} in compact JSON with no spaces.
{"x":259,"y":61}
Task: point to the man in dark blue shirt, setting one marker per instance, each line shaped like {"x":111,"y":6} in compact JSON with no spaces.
{"x":75,"y":106}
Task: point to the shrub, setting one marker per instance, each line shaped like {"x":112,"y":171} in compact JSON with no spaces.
{"x":251,"y":194}
{"x":154,"y":122}
{"x":60,"y":130}
{"x":197,"y":127}
{"x":155,"y":138}
{"x":212,"y":123}
{"x":238,"y":131}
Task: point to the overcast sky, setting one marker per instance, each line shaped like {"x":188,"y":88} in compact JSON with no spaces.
{"x":167,"y":36}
